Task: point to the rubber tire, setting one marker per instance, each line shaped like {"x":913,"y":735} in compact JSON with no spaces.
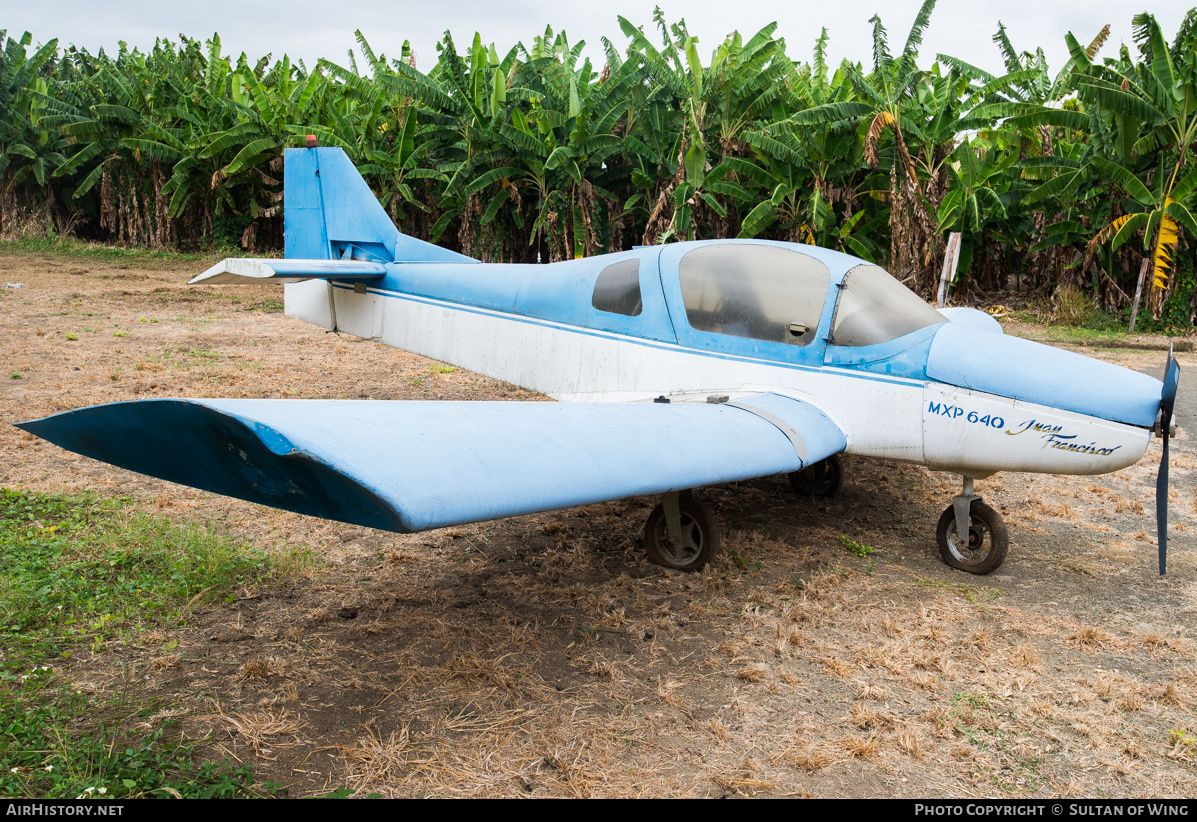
{"x":823,"y":479}
{"x":985,"y":525}
{"x":697,"y":524}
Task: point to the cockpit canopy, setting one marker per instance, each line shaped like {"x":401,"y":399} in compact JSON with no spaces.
{"x":777,"y":294}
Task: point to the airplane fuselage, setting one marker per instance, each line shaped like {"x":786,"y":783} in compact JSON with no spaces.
{"x":586,"y":356}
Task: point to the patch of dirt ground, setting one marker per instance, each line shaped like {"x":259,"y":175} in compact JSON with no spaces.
{"x":545,"y":656}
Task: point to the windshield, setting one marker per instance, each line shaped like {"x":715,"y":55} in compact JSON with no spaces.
{"x":875,"y":308}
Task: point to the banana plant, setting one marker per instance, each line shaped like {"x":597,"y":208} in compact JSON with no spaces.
{"x":973,"y":197}
{"x":30,"y":148}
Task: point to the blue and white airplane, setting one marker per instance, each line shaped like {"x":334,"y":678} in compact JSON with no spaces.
{"x":676,"y":366}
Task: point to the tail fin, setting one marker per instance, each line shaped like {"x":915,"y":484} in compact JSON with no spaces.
{"x":329,"y":213}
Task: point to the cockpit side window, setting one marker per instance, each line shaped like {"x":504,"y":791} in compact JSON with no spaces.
{"x":617,"y":289}
{"x":758,"y":291}
{"x":875,"y":308}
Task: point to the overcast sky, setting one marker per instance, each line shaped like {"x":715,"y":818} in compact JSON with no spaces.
{"x":310,"y":29}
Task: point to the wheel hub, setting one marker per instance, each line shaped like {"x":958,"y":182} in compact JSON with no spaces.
{"x":690,"y":546}
{"x":977,"y":549}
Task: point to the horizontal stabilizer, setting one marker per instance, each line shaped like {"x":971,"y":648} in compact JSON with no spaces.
{"x":241,"y":270}
{"x":412,"y":466}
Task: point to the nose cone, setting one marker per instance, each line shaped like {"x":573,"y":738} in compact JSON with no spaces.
{"x":1025,"y":370}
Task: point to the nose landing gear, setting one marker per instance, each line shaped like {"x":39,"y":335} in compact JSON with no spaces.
{"x":984,"y":548}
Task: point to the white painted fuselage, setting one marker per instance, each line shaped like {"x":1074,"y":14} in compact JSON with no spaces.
{"x":918,"y":421}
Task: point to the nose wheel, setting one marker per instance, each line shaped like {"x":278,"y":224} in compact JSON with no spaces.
{"x":983,"y":549}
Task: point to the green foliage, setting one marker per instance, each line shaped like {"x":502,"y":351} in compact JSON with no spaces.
{"x":84,"y":567}
{"x":1072,"y":306}
{"x":44,"y":753}
{"x":72,"y":247}
{"x":538,"y":153}
{"x":857,"y":549}
{"x":79,"y":571}
{"x":1175,"y":313}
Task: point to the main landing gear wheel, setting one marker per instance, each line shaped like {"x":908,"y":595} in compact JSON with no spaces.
{"x":699,"y":536}
{"x":987,"y":543}
{"x":823,"y":479}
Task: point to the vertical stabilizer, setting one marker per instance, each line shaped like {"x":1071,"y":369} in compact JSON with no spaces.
{"x":330,"y":213}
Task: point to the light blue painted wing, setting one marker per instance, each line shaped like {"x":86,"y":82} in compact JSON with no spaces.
{"x":412,"y":466}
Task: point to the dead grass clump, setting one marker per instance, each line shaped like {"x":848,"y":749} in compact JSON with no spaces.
{"x":808,"y":758}
{"x":911,"y":743}
{"x":255,"y":670}
{"x":1171,"y":695}
{"x":1091,"y":637}
{"x":979,"y":638}
{"x":868,"y":690}
{"x":941,"y":720}
{"x":1152,"y":638}
{"x":259,"y":728}
{"x":801,"y":611}
{"x":377,"y":761}
{"x":751,"y":673}
{"x":1071,"y":306}
{"x":604,"y":668}
{"x":1131,"y":703}
{"x":856,"y":747}
{"x":719,"y":730}
{"x":1024,"y":656}
{"x":925,"y":680}
{"x":836,"y":667}
{"x":1043,"y":708}
{"x":473,"y":668}
{"x":868,"y":718}
{"x":890,"y":625}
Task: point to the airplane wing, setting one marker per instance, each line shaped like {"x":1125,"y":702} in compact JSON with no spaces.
{"x":413,"y":466}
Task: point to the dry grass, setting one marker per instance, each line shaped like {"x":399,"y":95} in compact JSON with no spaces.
{"x":1091,"y":637}
{"x":542,"y":656}
{"x":265,"y":728}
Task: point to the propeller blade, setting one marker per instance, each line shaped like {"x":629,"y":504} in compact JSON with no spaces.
{"x":1161,"y":503}
{"x":1167,"y":405}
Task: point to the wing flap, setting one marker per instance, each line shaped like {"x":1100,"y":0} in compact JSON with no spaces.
{"x":241,"y":270}
{"x":412,"y":466}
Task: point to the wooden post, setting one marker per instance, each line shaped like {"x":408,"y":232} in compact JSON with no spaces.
{"x":1138,"y":293}
{"x":951,"y":259}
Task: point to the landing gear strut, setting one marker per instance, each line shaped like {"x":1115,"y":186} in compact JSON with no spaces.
{"x":984,"y":549}
{"x":681,"y":533}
